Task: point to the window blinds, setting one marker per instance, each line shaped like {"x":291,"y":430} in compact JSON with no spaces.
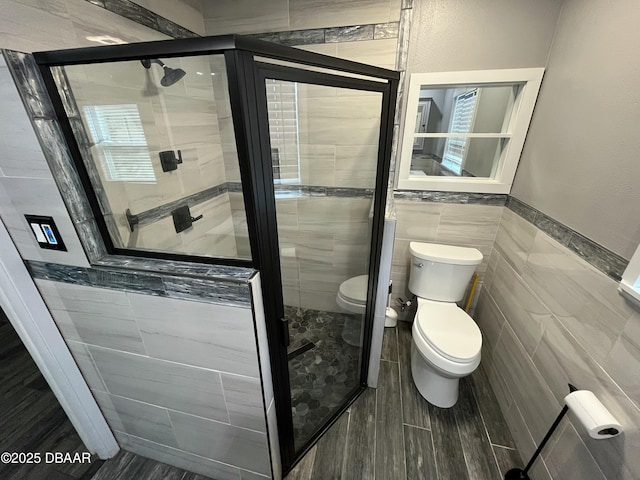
{"x":464,"y":111}
{"x":119,"y":139}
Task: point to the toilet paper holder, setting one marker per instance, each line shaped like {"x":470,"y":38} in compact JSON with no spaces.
{"x":594,"y":416}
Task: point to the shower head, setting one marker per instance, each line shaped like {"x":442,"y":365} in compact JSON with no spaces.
{"x":171,"y":75}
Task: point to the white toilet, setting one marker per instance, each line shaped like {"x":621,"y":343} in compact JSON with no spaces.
{"x":446,"y":341}
{"x":352,"y":298}
{"x":352,"y":294}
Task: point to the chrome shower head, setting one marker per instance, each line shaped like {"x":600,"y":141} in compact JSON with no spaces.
{"x":171,"y":75}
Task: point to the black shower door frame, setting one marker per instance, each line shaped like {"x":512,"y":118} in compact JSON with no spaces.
{"x":256,"y":113}
{"x":247,"y":94}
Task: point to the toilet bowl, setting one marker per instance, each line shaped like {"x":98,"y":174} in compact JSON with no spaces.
{"x":446,"y":342}
{"x":352,"y":294}
{"x":352,"y":298}
{"x":446,"y":345}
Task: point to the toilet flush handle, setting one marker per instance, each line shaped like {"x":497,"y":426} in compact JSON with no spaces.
{"x":419,"y":265}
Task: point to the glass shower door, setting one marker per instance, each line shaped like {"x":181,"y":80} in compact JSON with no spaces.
{"x":324,"y":142}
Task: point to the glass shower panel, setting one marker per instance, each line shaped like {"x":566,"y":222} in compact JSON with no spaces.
{"x":157,"y":140}
{"x":324,"y":149}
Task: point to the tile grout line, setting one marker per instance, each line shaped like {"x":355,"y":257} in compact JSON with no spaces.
{"x":484,"y":424}
{"x":464,"y":452}
{"x":505,"y":447}
{"x":346,"y":440}
{"x":169,"y":409}
{"x":404,"y":443}
{"x":416,"y":426}
{"x":375,"y":432}
{"x":433,"y":450}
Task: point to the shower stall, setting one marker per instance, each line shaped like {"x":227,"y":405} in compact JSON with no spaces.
{"x":229,"y":151}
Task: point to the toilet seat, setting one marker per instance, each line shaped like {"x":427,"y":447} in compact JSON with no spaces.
{"x":449,"y":330}
{"x":354,"y":290}
{"x":447,"y":337}
{"x":352,"y":294}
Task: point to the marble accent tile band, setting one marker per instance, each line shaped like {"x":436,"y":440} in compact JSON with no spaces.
{"x":203,"y":290}
{"x":352,"y":33}
{"x":320,"y":191}
{"x":143,"y":16}
{"x":451,"y":197}
{"x":598,"y":256}
{"x":157,"y":213}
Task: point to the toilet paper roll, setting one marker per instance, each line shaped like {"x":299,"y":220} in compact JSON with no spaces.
{"x":593,"y":415}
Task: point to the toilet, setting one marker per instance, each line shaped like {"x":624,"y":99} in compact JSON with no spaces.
{"x":352,"y":298}
{"x":446,"y":342}
{"x":352,"y":294}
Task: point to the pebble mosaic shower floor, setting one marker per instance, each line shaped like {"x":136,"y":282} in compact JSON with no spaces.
{"x":323,"y":376}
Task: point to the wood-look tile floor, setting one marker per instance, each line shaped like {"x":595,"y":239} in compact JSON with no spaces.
{"x":393,"y":433}
{"x":31,"y":419}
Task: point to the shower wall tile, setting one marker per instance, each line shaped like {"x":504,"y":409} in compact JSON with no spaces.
{"x":524,"y":312}
{"x":38,"y":196}
{"x":317,"y":163}
{"x":525,"y":383}
{"x":244,"y":401}
{"x":209,"y":336}
{"x":84,"y":360}
{"x":572,"y":461}
{"x":514,"y":239}
{"x":470,"y":226}
{"x":254,"y":16}
{"x":330,"y":13}
{"x":588,"y":337}
{"x":167,"y":384}
{"x":178,"y":458}
{"x":355,"y":166}
{"x":417,"y":221}
{"x":137,"y":418}
{"x":222,"y":442}
{"x":184,"y":13}
{"x":92,"y":315}
{"x":624,"y":353}
{"x":344,"y":120}
{"x":490,"y":319}
{"x":22,"y":156}
{"x":381,"y":53}
{"x":584,"y":299}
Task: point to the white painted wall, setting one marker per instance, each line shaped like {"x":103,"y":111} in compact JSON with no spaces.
{"x":580,"y":161}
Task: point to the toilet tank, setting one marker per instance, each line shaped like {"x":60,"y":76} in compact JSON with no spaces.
{"x":441,"y":272}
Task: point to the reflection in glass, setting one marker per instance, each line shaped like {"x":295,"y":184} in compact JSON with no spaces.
{"x":482,"y":109}
{"x":457,"y":156}
{"x":157,"y":139}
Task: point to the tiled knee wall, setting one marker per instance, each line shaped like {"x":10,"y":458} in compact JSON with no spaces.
{"x":177,"y":380}
{"x":549,"y":318}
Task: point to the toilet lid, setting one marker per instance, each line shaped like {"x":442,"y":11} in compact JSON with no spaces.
{"x":355,"y":289}
{"x":449,"y":330}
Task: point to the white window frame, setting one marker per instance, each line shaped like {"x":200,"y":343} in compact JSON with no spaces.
{"x":514,"y":135}
{"x":630,"y":283}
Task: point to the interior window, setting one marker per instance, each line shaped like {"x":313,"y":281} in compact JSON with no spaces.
{"x":469,"y":129}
